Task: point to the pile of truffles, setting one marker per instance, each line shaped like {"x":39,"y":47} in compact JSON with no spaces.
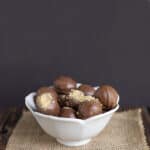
{"x":65,"y":99}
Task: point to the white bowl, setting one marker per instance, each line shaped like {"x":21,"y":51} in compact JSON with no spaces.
{"x":68,"y":131}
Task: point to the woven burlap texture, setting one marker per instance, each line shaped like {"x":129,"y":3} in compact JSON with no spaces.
{"x":125,"y":131}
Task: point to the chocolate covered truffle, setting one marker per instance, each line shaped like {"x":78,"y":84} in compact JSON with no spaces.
{"x":64,"y":84}
{"x":67,"y":112}
{"x":65,"y":101}
{"x":46,"y":101}
{"x":107,"y":95}
{"x":89,"y":108}
{"x":74,"y":98}
{"x":87,"y":89}
{"x":47,"y":90}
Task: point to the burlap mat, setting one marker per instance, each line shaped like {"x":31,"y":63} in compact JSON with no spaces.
{"x":124,"y":132}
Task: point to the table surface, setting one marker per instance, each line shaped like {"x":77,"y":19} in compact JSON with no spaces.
{"x":9,"y":118}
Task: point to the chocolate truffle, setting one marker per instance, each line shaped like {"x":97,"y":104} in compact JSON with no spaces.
{"x":74,"y":98}
{"x":107,"y":95}
{"x":64,"y":84}
{"x":87,"y":89}
{"x":89,"y":108}
{"x":67,"y":112}
{"x":46,"y":101}
{"x":47,"y":90}
{"x":64,"y":101}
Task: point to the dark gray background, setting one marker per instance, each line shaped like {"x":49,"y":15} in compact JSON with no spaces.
{"x":94,"y":41}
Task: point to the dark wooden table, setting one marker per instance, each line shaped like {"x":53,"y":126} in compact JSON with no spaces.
{"x":9,"y":118}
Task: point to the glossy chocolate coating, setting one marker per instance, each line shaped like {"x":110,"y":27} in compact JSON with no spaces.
{"x":74,"y":98}
{"x":64,"y":84}
{"x":52,"y":109}
{"x":87,"y":89}
{"x":46,"y":101}
{"x":64,"y":101}
{"x":107,"y":95}
{"x":89,"y":108}
{"x":67,"y":112}
{"x":50,"y":90}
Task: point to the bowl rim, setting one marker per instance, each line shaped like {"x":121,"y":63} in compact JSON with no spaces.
{"x":30,"y":97}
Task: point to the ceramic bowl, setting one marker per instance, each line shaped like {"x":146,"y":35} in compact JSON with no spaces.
{"x":68,"y":131}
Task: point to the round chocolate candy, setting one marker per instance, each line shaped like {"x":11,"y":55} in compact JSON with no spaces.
{"x":87,"y":89}
{"x":107,"y":95}
{"x":64,"y":84}
{"x":46,"y":101}
{"x":65,"y":101}
{"x":67,"y":112}
{"x":47,"y":90}
{"x":89,"y":108}
{"x":74,"y":98}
